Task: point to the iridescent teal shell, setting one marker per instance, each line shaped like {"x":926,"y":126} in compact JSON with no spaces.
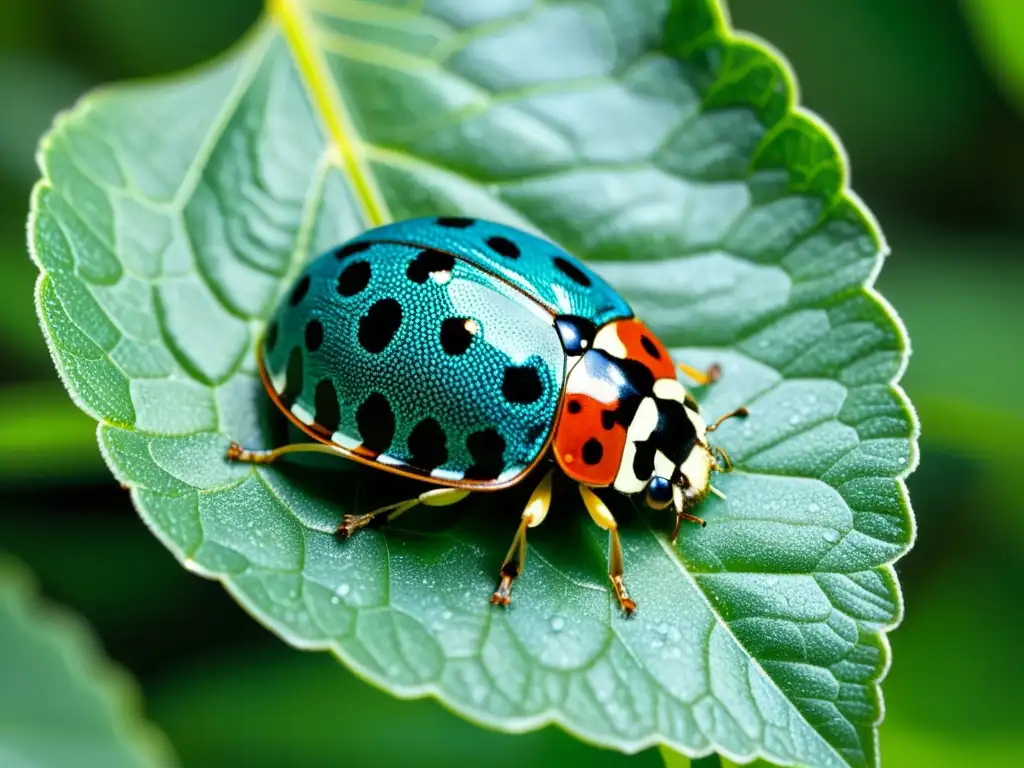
{"x":556,"y":279}
{"x":429,"y":347}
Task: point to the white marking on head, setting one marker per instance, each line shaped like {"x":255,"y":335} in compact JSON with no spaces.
{"x":663,"y":465}
{"x":697,"y":468}
{"x":580,"y":382}
{"x":670,"y":389}
{"x":608,"y":339}
{"x":643,"y":425}
{"x":698,"y":424}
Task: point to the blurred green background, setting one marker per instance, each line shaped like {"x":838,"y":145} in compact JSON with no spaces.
{"x":928,"y":99}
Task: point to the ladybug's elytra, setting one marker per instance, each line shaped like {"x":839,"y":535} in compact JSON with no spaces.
{"x":466,"y":353}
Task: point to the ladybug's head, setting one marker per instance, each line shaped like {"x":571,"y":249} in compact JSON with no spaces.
{"x":666,"y":456}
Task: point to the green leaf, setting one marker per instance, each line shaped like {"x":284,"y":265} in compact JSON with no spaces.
{"x":288,"y":706}
{"x":997,"y":26}
{"x":647,"y":138}
{"x":61,"y":701}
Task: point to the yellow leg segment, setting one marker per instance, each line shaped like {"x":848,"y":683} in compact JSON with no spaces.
{"x":238,"y":453}
{"x":701,"y":377}
{"x":601,"y":515}
{"x":533,"y":515}
{"x":438,"y":497}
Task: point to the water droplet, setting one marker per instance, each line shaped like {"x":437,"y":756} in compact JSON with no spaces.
{"x":830,"y":535}
{"x":813,"y":508}
{"x":343,"y":590}
{"x":557,"y":624}
{"x":335,"y":600}
{"x":446,"y":615}
{"x":771,"y":581}
{"x":812,"y":399}
{"x":903,"y":459}
{"x":663,"y":628}
{"x":794,"y":419}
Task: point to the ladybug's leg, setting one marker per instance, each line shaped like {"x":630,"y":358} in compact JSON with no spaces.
{"x":701,"y":377}
{"x":533,"y":515}
{"x":603,"y":517}
{"x":238,"y":453}
{"x":438,"y":497}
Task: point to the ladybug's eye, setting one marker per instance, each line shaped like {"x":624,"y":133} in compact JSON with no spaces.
{"x":659,"y":493}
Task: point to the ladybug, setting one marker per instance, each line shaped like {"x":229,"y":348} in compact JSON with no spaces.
{"x":466,"y":354}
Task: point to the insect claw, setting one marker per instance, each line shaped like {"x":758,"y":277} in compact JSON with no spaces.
{"x":503,"y":594}
{"x":352,"y":523}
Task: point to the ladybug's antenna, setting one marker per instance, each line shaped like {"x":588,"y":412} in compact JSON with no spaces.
{"x":680,"y":506}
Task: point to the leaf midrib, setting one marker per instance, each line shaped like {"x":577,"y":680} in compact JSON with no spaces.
{"x":329,"y":103}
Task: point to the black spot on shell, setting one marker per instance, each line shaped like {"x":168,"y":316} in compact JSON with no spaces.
{"x":487,"y":448}
{"x":354,"y":278}
{"x":314,"y":335}
{"x":428,"y":447}
{"x":593,"y":451}
{"x":607,"y":419}
{"x":455,"y":335}
{"x":571,"y":271}
{"x":292,"y":378}
{"x":504,"y":246}
{"x":650,"y":347}
{"x":455,"y":222}
{"x":378,"y":326}
{"x":427,"y":262}
{"x":271,"y":338}
{"x":536,"y":432}
{"x":574,"y":406}
{"x":376,"y":422}
{"x":301,"y":289}
{"x":328,"y":410}
{"x":521,"y":384}
{"x":348,"y":250}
